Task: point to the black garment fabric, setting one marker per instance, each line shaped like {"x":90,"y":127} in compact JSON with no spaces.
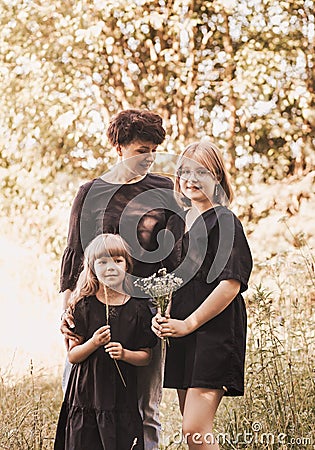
{"x":138,"y":212}
{"x":214,"y":249}
{"x":98,"y":411}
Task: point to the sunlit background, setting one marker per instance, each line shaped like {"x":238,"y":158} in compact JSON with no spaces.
{"x":242,"y":72}
{"x":30,"y":311}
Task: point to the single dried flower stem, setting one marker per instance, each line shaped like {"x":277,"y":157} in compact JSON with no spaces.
{"x":120,"y":374}
{"x":107,"y":323}
{"x":106,"y":305}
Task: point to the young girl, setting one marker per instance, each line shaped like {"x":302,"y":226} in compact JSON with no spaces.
{"x":206,"y":325}
{"x":100,"y":409}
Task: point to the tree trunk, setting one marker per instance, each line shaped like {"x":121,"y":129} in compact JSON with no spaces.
{"x":229,"y":77}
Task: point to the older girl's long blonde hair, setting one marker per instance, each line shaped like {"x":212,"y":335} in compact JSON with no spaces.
{"x":209,"y":156}
{"x":104,"y":245}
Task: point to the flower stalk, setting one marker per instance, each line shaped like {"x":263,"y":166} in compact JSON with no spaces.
{"x":107,"y":323}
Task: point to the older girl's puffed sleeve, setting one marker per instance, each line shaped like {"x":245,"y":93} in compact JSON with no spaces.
{"x":237,"y":259}
{"x":71,"y":264}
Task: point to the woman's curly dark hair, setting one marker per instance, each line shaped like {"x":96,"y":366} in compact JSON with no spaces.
{"x":134,"y":124}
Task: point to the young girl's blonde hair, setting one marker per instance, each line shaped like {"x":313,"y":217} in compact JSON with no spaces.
{"x":209,"y":156}
{"x":104,"y":245}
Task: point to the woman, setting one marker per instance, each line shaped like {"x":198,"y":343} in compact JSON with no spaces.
{"x":136,"y":204}
{"x":206,"y":325}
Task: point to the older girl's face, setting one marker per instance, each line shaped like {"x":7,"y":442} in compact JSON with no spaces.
{"x":196,"y":182}
{"x":111,"y":271}
{"x":138,"y":156}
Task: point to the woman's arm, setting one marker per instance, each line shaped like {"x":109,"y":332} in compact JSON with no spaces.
{"x":80,"y":231}
{"x":213,"y":305}
{"x":67,"y":322}
{"x":139,"y":357}
{"x":78,"y":352}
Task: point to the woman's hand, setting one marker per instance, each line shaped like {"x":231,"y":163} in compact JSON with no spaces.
{"x":101,"y":336}
{"x":171,"y":328}
{"x":67,"y":324}
{"x":115,"y":350}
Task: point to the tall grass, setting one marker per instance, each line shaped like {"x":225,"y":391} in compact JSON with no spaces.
{"x":28,"y":410}
{"x":278,"y":409}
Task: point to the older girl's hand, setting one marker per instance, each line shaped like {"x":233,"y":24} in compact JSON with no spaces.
{"x":173,"y":328}
{"x":101,"y":336}
{"x":156,"y":323}
{"x":115,"y":350}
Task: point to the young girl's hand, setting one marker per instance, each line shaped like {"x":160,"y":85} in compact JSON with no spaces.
{"x":101,"y":336}
{"x":115,"y":350}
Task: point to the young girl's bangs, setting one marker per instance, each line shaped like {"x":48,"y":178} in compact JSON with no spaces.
{"x":109,"y":245}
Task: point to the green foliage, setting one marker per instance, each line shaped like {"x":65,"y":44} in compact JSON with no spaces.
{"x":242,"y":72}
{"x":247,"y":66}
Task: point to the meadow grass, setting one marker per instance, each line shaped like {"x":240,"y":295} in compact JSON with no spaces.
{"x":29,"y":410}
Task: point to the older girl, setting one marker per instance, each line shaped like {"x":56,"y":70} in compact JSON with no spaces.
{"x":207,"y":322}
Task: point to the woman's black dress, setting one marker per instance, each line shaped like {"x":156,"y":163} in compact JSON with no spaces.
{"x":214,"y":249}
{"x":98,"y":412}
{"x":137,"y":211}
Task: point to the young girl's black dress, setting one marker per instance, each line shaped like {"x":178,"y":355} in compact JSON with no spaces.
{"x":98,"y":411}
{"x":214,"y":249}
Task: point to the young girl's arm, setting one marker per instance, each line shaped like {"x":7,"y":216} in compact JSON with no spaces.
{"x":213,"y":305}
{"x":139,"y":357}
{"x":78,"y":352}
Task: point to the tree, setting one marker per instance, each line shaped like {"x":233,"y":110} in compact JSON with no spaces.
{"x":242,"y":72}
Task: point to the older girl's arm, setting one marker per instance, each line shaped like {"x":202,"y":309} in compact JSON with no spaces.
{"x":213,"y":305}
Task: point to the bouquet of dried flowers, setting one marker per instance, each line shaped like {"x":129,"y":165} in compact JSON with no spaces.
{"x":160,"y":287}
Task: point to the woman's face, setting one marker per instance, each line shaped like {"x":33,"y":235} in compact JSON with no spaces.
{"x":111,"y":271}
{"x":196,"y":182}
{"x":138,"y":156}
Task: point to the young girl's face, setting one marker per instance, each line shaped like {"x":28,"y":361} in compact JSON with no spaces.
{"x":196,"y":182}
{"x":111,"y":271}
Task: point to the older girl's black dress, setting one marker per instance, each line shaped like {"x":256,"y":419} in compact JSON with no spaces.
{"x":98,"y":411}
{"x":214,"y":249}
